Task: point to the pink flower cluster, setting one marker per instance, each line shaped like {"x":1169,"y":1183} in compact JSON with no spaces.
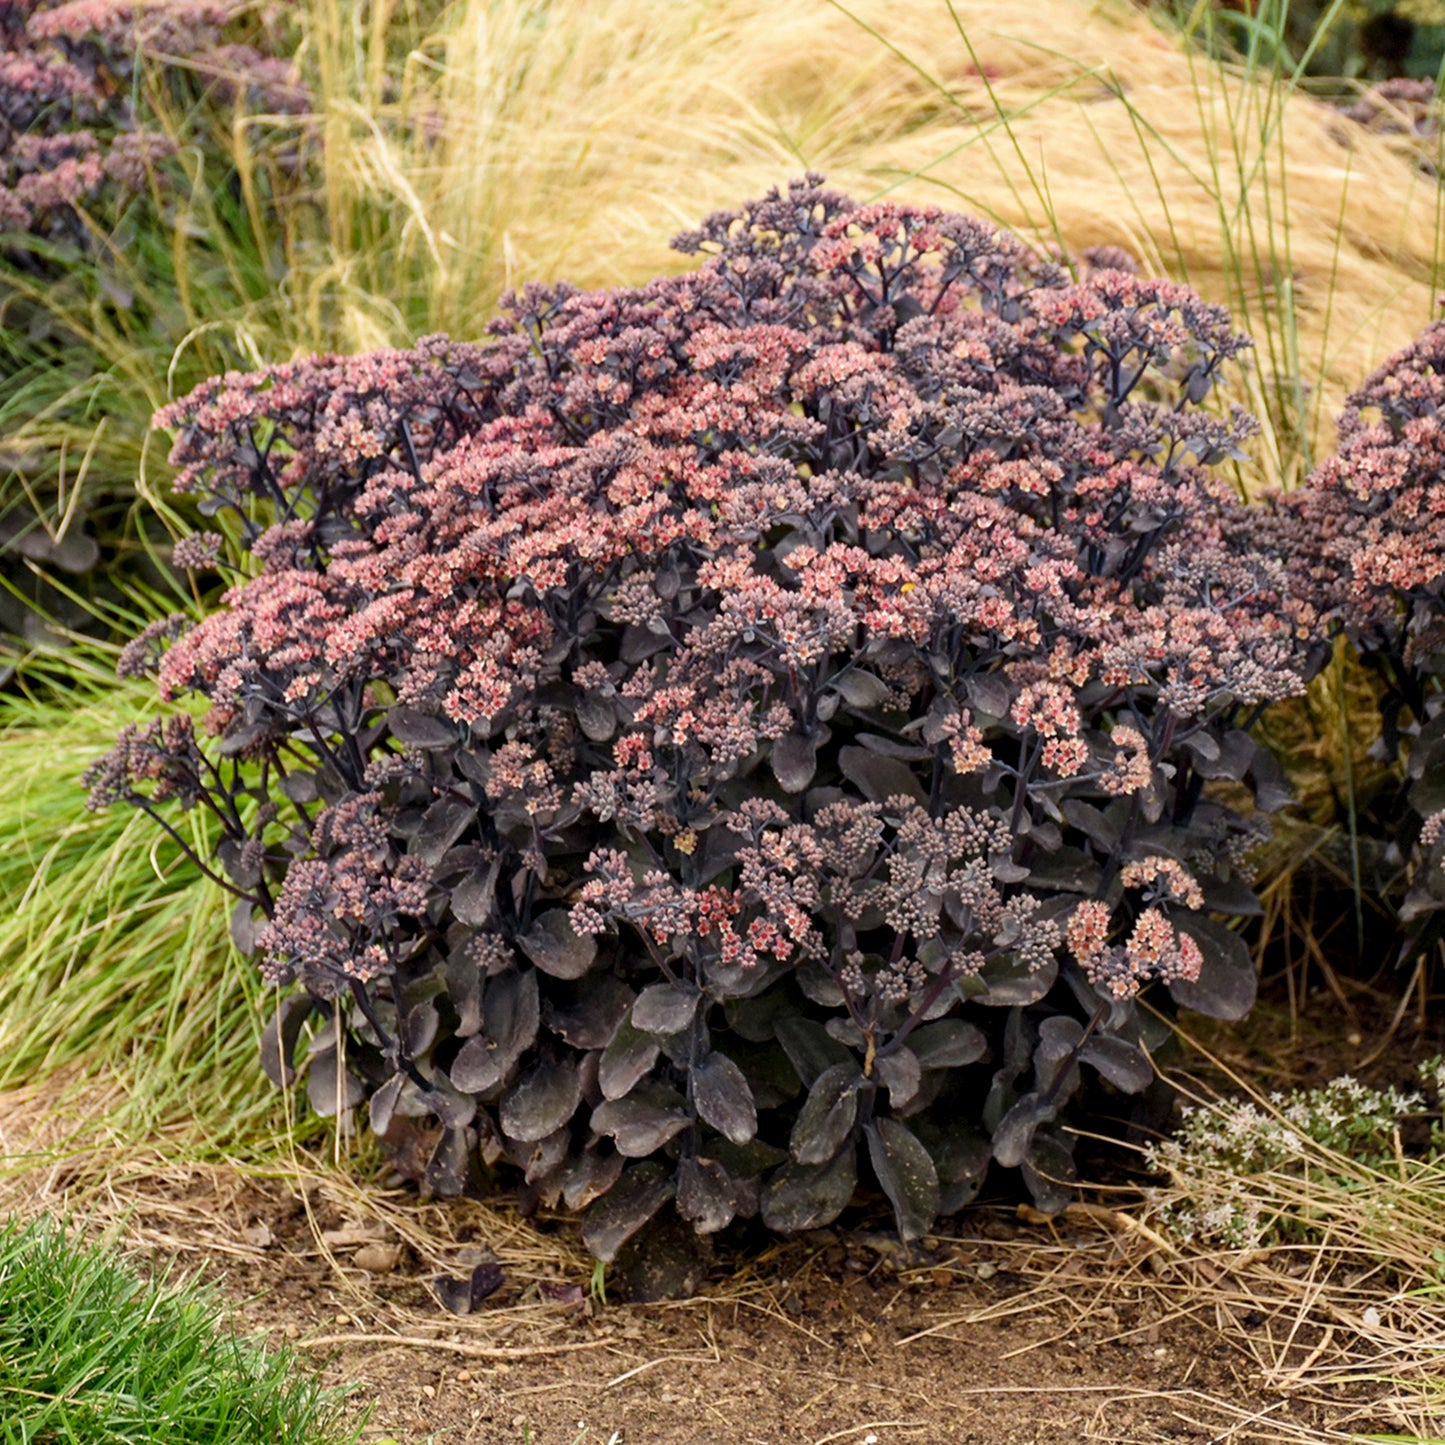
{"x":1369,"y":526}
{"x":70,"y":132}
{"x":711,"y":535}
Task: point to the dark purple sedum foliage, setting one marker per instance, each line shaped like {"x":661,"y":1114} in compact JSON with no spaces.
{"x":715,"y":742}
{"x":1368,"y":536}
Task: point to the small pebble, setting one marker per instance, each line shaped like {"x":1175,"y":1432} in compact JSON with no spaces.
{"x":986,"y":1270}
{"x":464,"y":1377}
{"x":376,"y":1258}
{"x":429,"y":1391}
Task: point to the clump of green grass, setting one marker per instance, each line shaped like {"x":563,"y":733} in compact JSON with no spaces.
{"x":91,"y":1353}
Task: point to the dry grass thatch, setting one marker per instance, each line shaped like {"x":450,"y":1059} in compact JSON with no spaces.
{"x":533,"y":140}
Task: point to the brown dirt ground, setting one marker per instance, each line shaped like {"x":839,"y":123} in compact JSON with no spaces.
{"x":1005,"y":1329}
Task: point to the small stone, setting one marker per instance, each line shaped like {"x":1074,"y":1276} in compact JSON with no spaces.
{"x":343,"y":1319}
{"x":377,"y":1258}
{"x":292,"y":1331}
{"x":464,"y":1377}
{"x":986,"y":1270}
{"x":257,"y":1235}
{"x":429,"y":1391}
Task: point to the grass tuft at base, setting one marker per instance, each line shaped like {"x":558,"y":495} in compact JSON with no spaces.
{"x":89,"y":1352}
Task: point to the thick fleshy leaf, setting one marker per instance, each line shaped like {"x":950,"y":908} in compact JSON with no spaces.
{"x":827,"y":1115}
{"x":597,"y":717}
{"x":1010,"y":983}
{"x":474,"y":899}
{"x":244,"y":927}
{"x":745,"y":1161}
{"x":589,"y":1177}
{"x":818,"y":985}
{"x":721,"y":1094}
{"x":948,"y":1044}
{"x":665,"y":1260}
{"x":541,"y":1101}
{"x":906,"y":1174}
{"x":541,"y":1160}
{"x":383,"y":1103}
{"x":641,"y":1191}
{"x":1069,"y":870}
{"x":1125,"y":1066}
{"x":1226,"y":985}
{"x":280,"y":1036}
{"x":556,"y":947}
{"x":988,"y":694}
{"x":441,"y":825}
{"x":753,"y":1018}
{"x":628,"y":1058}
{"x":330,"y":1088}
{"x":300,"y":786}
{"x":1015,"y":1132}
{"x":1271,"y":787}
{"x":809,"y":1046}
{"x":1103,"y":827}
{"x":795,"y":761}
{"x":643,"y":1122}
{"x":1233,"y":754}
{"x":511,"y":1011}
{"x":452,"y":1107}
{"x":448,"y":1168}
{"x":419,"y":1029}
{"x":705,"y":1195}
{"x":464,"y":989}
{"x":808,"y":1196}
{"x":1232,"y":895}
{"x":877,"y":777}
{"x":960,"y":1155}
{"x":1056,"y":1055}
{"x":860,"y":690}
{"x":417,"y":729}
{"x":901,"y":1074}
{"x":1048,"y":1172}
{"x":771,"y":1078}
{"x":665,"y":1008}
{"x":462,"y":1296}
{"x":586,"y":1013}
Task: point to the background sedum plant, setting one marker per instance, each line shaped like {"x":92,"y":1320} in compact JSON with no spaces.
{"x":716,"y":746}
{"x":107,"y":113}
{"x":1369,"y":545}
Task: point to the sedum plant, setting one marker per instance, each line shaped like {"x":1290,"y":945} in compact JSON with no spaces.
{"x":712,"y":748}
{"x":105,"y":109}
{"x":1368,"y":544}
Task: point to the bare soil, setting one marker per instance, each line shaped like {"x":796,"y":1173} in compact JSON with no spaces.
{"x":1006,"y":1329}
{"x":1004,"y":1332}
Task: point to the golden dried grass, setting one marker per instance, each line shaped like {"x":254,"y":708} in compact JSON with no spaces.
{"x":530,"y":140}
